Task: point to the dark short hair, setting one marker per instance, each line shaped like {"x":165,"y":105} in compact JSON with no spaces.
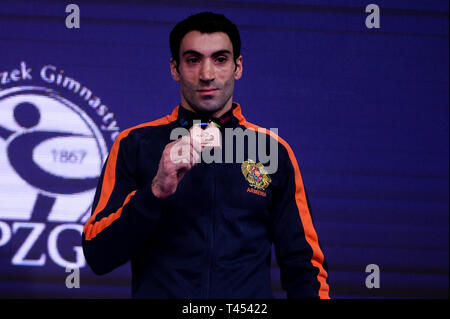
{"x":205,"y":22}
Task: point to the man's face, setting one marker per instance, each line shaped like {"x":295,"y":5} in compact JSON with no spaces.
{"x":207,"y":72}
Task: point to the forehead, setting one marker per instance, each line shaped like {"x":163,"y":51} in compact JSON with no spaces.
{"x":205,"y":43}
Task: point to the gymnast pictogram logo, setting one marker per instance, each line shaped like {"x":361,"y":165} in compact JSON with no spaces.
{"x":51,"y":154}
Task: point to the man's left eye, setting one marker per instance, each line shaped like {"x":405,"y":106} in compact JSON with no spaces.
{"x":221,"y":59}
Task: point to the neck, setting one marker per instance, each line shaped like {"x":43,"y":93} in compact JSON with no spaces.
{"x":217,"y":114}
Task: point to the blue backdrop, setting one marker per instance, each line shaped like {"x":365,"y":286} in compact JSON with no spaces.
{"x":366,"y":112}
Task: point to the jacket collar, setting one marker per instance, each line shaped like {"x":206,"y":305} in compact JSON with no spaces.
{"x":231,"y":118}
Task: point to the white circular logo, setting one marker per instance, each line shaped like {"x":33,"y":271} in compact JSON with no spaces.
{"x":51,"y":156}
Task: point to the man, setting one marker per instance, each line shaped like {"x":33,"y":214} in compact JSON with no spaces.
{"x":193,"y":229}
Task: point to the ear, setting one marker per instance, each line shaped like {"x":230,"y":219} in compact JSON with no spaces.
{"x":174,"y":71}
{"x":238,"y":68}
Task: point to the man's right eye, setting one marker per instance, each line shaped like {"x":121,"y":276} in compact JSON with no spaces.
{"x":192,"y":60}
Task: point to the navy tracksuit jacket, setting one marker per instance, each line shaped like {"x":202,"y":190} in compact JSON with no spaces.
{"x":212,"y":238}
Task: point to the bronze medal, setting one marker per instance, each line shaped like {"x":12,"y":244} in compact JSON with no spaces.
{"x":209,"y":137}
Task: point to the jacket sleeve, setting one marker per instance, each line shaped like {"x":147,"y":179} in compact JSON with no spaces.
{"x":303,"y":270}
{"x":122,"y":215}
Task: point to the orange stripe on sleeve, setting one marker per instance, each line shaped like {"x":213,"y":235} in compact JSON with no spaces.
{"x":300,"y":199}
{"x":92,"y":228}
{"x":99,"y":226}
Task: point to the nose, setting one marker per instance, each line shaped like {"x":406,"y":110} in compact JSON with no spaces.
{"x":207,"y":73}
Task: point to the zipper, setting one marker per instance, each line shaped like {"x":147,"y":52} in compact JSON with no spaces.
{"x":216,"y":167}
{"x":212,"y":234}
